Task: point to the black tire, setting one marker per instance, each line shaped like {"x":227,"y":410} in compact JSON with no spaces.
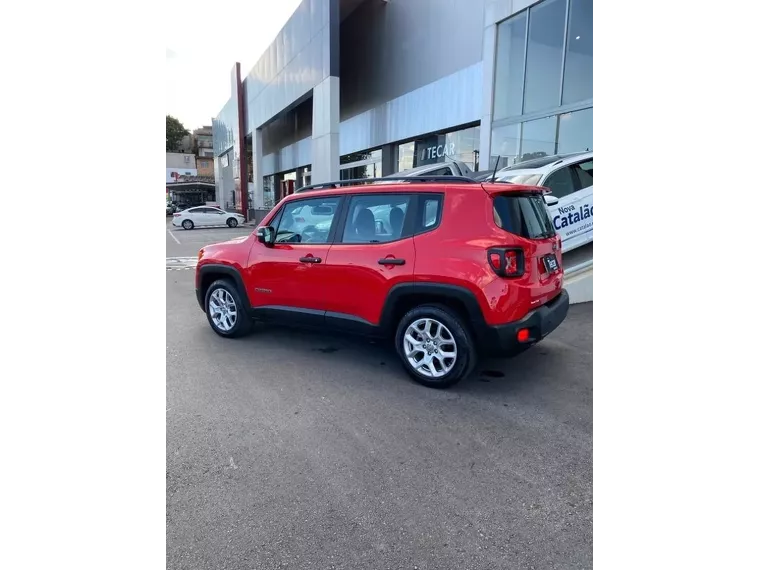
{"x":188,"y":225}
{"x":466,"y":357}
{"x":243,"y":324}
{"x":232,"y":223}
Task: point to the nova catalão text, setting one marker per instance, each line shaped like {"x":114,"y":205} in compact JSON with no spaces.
{"x":568,"y":215}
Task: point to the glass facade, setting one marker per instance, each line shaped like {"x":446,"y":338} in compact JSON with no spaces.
{"x":462,"y":145}
{"x":269,"y":196}
{"x":543,"y":92}
{"x":578,"y":70}
{"x":545,"y":44}
{"x":365,"y":164}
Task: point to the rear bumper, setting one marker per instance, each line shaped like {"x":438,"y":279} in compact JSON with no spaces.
{"x":502,"y":339}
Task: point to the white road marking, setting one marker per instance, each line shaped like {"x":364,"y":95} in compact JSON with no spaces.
{"x":177,"y":263}
{"x":173,"y":236}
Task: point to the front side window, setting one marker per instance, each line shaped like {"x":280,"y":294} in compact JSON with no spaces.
{"x":376,"y":218}
{"x":306,"y":221}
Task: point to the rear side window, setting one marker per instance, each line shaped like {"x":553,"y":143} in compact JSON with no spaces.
{"x":561,"y":183}
{"x":584,"y":173}
{"x":430,"y":208}
{"x":376,"y":218}
{"x":524,"y":215}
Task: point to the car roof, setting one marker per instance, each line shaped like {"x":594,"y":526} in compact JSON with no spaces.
{"x":544,"y":162}
{"x":386,"y":186}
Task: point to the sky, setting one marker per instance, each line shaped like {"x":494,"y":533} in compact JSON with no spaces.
{"x":202,"y":47}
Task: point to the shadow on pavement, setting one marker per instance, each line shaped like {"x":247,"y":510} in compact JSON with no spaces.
{"x":568,"y":351}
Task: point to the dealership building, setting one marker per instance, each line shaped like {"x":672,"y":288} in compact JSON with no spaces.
{"x":367,"y":88}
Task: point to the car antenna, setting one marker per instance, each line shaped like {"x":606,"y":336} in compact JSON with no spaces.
{"x":492,"y":179}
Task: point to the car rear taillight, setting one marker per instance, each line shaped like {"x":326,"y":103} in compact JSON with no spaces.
{"x":177,"y":215}
{"x":506,"y":261}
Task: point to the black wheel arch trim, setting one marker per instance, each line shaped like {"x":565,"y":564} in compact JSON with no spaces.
{"x":222,"y":271}
{"x":457,"y":292}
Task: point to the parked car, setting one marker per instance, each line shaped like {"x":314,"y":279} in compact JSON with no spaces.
{"x":570,"y":179}
{"x":206,"y":216}
{"x":483,"y":175}
{"x":309,"y":218}
{"x":448,"y":168}
{"x":445,"y":282}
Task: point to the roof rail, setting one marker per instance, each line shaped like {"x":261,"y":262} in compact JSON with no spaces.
{"x":387,"y":180}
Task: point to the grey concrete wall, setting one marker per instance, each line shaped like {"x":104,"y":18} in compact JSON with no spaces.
{"x":390,"y":49}
{"x":296,"y":62}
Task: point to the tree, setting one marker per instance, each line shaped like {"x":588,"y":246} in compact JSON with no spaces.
{"x":175,"y":132}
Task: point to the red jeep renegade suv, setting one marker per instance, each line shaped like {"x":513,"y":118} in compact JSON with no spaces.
{"x":448,"y":267}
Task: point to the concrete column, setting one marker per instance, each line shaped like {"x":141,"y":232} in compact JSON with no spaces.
{"x":325,"y":142}
{"x":258,"y":163}
{"x":389,"y":159}
{"x":488,"y":79}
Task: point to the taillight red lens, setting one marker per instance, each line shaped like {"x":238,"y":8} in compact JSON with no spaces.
{"x":177,"y":215}
{"x":523,"y":335}
{"x":506,"y":262}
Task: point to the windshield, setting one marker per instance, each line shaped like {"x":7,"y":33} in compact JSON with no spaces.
{"x":529,"y":179}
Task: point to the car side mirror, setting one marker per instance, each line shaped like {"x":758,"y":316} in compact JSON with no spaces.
{"x":550,"y":200}
{"x":265,"y":235}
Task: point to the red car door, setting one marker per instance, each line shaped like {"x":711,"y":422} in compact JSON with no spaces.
{"x":286,"y":281}
{"x":373,"y":250}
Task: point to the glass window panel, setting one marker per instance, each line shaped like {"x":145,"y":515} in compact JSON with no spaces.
{"x":584,"y":174}
{"x":578,"y":69}
{"x":509,"y":67}
{"x":576,"y":131}
{"x":560,"y":183}
{"x":375,"y":219}
{"x":269,"y":192}
{"x":307,"y":221}
{"x":504,"y":142}
{"x":545,"y":43}
{"x":463,"y":146}
{"x":363,"y":155}
{"x":538,"y":138}
{"x":406,"y":156}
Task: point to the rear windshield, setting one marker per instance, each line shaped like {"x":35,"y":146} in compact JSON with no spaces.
{"x":524,"y":215}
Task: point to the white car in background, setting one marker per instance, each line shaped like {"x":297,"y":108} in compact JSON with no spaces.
{"x":570,"y":178}
{"x":205,"y":216}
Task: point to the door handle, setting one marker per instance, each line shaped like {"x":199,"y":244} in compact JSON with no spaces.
{"x":391,"y":261}
{"x":310,"y":259}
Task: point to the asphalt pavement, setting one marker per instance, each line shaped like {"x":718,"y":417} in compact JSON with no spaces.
{"x":290,"y":449}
